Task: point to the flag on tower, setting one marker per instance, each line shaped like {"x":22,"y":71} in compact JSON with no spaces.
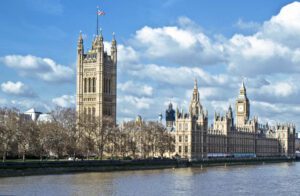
{"x":100,"y":13}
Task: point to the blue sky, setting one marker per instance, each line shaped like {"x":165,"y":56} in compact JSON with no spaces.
{"x":163,"y":45}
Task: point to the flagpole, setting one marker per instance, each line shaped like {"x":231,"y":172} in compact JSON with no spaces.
{"x":97,"y":20}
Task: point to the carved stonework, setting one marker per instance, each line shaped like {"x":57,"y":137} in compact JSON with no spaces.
{"x":96,"y":78}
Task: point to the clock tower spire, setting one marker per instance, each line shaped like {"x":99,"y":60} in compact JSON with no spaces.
{"x":242,"y":107}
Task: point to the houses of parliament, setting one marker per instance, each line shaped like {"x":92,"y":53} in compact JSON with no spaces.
{"x":237,"y":136}
{"x":246,"y":137}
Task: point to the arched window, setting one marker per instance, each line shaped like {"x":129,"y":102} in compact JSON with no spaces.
{"x":94,"y":85}
{"x":90,"y":85}
{"x":84,"y":85}
{"x":106,"y":85}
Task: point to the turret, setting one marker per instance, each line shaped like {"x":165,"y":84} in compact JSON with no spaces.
{"x":80,"y":44}
{"x":170,"y":117}
{"x":101,"y":40}
{"x":229,"y":112}
{"x":99,"y":47}
{"x":79,"y":82}
{"x":113,"y":50}
{"x":98,"y":41}
{"x":230,"y":117}
{"x":195,"y":106}
{"x":177,"y":112}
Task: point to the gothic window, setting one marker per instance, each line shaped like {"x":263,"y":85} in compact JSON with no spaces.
{"x":180,"y":139}
{"x":186,"y":149}
{"x":104,"y":85}
{"x":107,"y":86}
{"x":94,"y":85}
{"x":186,"y":126}
{"x":84,"y":85}
{"x":89,"y":85}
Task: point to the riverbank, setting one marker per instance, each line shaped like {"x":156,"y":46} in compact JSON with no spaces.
{"x":9,"y":169}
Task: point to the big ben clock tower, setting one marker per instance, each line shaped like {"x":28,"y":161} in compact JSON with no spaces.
{"x":242,"y":107}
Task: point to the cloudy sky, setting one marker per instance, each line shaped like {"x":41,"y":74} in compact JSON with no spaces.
{"x":162,"y":46}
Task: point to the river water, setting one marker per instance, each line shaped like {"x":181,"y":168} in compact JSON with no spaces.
{"x":268,"y":179}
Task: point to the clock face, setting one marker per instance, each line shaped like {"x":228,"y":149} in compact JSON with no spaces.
{"x":240,"y":108}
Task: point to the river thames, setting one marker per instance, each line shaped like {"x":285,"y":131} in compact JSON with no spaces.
{"x":268,"y":179}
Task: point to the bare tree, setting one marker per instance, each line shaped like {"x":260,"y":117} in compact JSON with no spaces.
{"x":53,"y":138}
{"x":26,"y":135}
{"x":10,"y":125}
{"x":71,"y":134}
{"x":87,"y":129}
{"x":123,"y":144}
{"x":66,"y":118}
{"x":130,"y":129}
{"x":103,"y":135}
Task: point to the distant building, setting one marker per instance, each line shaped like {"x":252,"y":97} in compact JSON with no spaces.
{"x":38,"y":116}
{"x":195,"y":140}
{"x":170,"y":118}
{"x":33,"y":114}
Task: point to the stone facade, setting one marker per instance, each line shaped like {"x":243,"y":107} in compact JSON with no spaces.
{"x":247,"y":138}
{"x":191,"y":129}
{"x":96,"y":79}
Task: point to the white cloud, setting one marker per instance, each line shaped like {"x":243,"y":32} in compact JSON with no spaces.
{"x":136,"y":88}
{"x":138,"y":102}
{"x":43,"y":68}
{"x":284,"y":27}
{"x":25,"y":104}
{"x":17,"y":89}
{"x":159,"y":64}
{"x":64,"y":101}
{"x":247,"y":25}
{"x":250,"y":55}
{"x":181,"y":76}
{"x":280,"y":89}
{"x":127,"y":54}
{"x":275,"y":48}
{"x":185,"y":44}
